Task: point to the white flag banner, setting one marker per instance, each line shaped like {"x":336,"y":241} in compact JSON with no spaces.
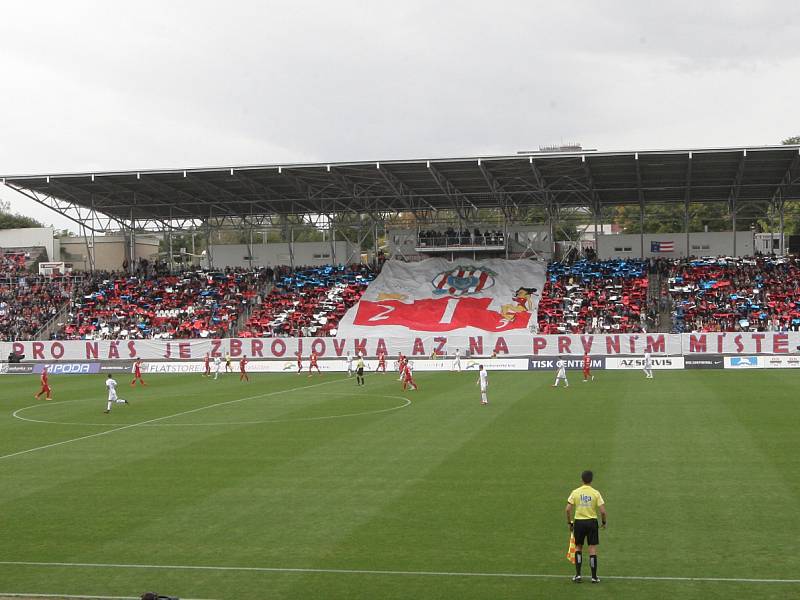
{"x":464,"y":297}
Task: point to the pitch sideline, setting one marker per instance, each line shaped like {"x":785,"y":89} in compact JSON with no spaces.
{"x":392,"y":573}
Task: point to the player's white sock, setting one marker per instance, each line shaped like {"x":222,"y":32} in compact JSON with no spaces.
{"x":484,"y":399}
{"x":108,"y":405}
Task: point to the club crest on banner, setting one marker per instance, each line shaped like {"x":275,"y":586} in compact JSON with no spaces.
{"x":462,"y":281}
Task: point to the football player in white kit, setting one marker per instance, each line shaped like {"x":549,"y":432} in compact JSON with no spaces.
{"x":457,"y":360}
{"x":217,"y":366}
{"x":483,"y":382}
{"x":648,"y":366}
{"x":350,"y":369}
{"x":112,"y":394}
{"x":562,"y":373}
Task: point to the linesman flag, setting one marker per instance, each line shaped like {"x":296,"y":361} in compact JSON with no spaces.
{"x":571,"y":549}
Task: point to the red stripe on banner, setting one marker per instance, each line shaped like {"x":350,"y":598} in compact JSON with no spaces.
{"x":442,"y":280}
{"x":428,"y":314}
{"x":482,"y":281}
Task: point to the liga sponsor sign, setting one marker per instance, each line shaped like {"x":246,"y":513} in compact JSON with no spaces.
{"x":709,"y":361}
{"x":549,"y":364}
{"x":781,"y":362}
{"x":67,"y":368}
{"x":15,"y":369}
{"x":637,"y":362}
{"x":116,"y":367}
{"x":470,"y":364}
{"x":416,"y":347}
{"x":743,"y":362}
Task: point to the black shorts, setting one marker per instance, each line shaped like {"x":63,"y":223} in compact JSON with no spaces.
{"x":586,"y":529}
{"x":360,"y":371}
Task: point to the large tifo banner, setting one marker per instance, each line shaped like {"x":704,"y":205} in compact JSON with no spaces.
{"x":415,"y":345}
{"x":437,"y":296}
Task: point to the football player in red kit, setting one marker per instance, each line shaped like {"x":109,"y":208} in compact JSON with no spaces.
{"x":401,"y":364}
{"x":381,"y":362}
{"x":313,"y":364}
{"x":242,"y":368}
{"x":408,"y":377}
{"x":45,"y":386}
{"x":137,"y":373}
{"x":299,"y":362}
{"x":587,"y":368}
{"x":207,"y":366}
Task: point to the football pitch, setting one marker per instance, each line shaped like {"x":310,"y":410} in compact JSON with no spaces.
{"x":290,"y":487}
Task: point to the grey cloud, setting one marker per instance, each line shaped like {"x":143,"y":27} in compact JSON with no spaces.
{"x":100,"y":85}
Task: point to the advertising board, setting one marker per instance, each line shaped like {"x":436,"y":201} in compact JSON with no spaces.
{"x":549,"y":364}
{"x":659,"y":362}
{"x":708,"y":361}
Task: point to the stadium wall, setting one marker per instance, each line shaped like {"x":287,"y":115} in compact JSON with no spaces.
{"x":719,"y":243}
{"x":30,"y":237}
{"x":311,"y":254}
{"x":109,"y":251}
{"x":420,"y":347}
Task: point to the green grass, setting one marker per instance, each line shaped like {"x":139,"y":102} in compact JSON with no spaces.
{"x":698,"y":469}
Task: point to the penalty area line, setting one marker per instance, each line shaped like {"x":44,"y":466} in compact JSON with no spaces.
{"x":389,"y":572}
{"x":157,"y":419}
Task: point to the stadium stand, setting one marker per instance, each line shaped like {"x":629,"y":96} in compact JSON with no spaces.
{"x":713,"y":294}
{"x":12,"y":262}
{"x":28,"y":302}
{"x":594,"y":297}
{"x":735,"y":294}
{"x":195,"y":304}
{"x":308,"y":301}
{"x":450,"y":237}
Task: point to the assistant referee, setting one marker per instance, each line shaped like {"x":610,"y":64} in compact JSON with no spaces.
{"x":583,"y":505}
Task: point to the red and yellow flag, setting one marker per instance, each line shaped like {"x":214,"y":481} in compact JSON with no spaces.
{"x":571,"y":549}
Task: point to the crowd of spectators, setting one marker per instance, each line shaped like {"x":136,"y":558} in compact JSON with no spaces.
{"x":586,"y":296}
{"x":12,"y":263}
{"x":27,"y":301}
{"x":735,"y":294}
{"x":451,"y":237}
{"x":194,"y":304}
{"x":594,"y":297}
{"x":308,"y":301}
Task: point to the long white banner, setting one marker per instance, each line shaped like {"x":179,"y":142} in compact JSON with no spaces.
{"x":422,"y":346}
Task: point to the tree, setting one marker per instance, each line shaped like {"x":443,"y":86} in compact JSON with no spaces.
{"x":791,"y":141}
{"x":9,"y":220}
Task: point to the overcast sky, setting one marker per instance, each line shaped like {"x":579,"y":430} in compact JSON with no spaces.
{"x":111,"y":85}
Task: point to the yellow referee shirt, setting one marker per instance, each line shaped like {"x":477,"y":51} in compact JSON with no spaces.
{"x":585,"y":499}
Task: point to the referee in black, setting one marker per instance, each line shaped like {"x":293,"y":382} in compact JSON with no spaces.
{"x":583,"y":505}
